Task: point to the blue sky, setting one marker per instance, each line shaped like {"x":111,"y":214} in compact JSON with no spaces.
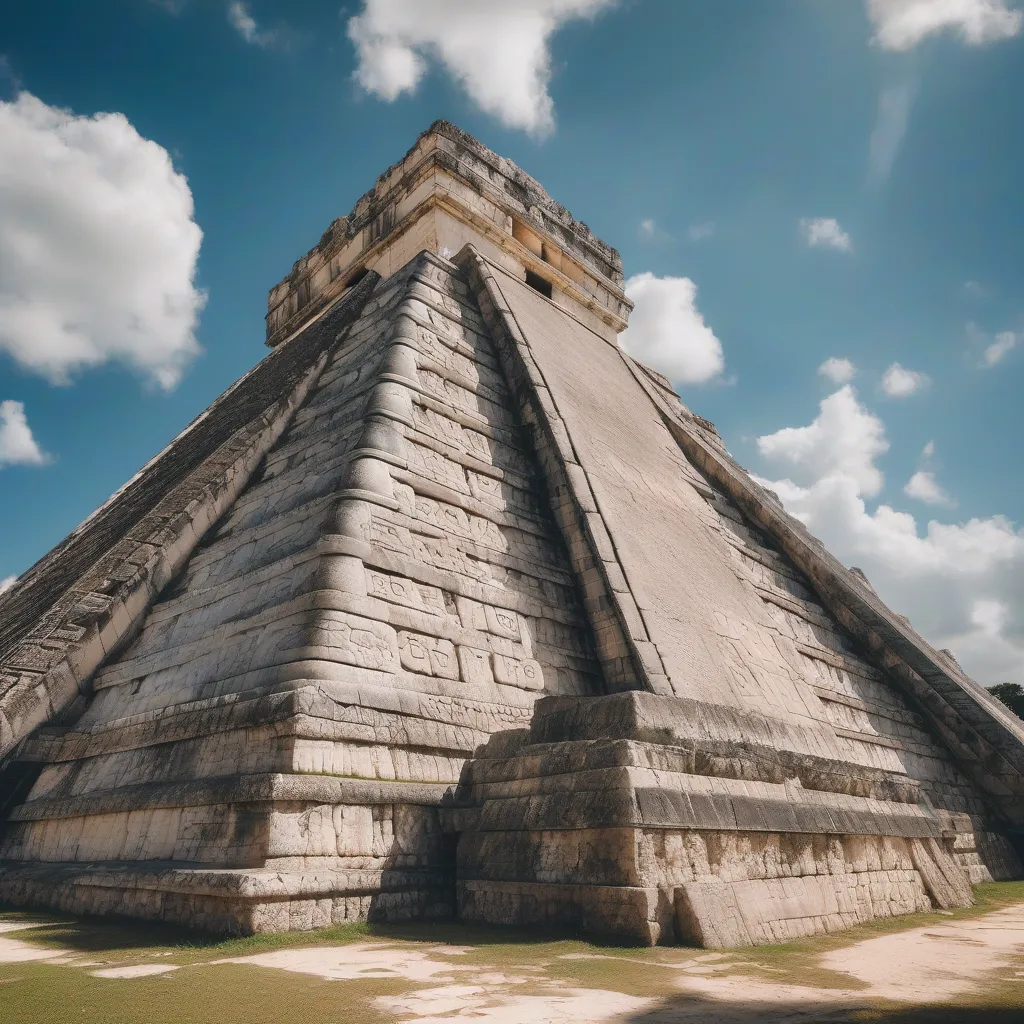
{"x":788,"y":183}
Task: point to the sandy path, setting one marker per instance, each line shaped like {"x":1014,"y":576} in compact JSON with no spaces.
{"x":937,"y":962}
{"x":922,"y":965}
{"x":14,"y":951}
{"x":354,"y":961}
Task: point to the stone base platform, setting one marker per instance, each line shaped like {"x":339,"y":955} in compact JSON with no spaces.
{"x":231,"y":902}
{"x":712,"y":913}
{"x":236,"y":855}
{"x":688,"y":832}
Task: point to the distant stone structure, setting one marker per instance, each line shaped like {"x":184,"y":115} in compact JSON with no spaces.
{"x":451,"y":607}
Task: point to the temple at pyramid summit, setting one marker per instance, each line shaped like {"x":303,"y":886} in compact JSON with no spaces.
{"x":450,"y":608}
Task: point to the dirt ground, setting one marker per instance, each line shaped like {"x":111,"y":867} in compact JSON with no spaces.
{"x":964,"y":966}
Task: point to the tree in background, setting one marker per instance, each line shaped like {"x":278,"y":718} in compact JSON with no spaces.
{"x":1012,"y":695}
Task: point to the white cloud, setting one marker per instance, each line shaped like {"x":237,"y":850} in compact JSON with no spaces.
{"x":890,"y":126}
{"x":7,"y":582}
{"x":17,"y":445}
{"x":1003,"y":343}
{"x":97,"y":243}
{"x":928,"y":450}
{"x":648,"y":228}
{"x":844,"y":438}
{"x":923,"y":486}
{"x":902,"y":24}
{"x":947,"y":578}
{"x":899,"y":382}
{"x":667,"y":331}
{"x":989,"y":616}
{"x":698,"y":232}
{"x":837,"y":370}
{"x":245,"y":25}
{"x":826,"y":232}
{"x":498,"y":52}
{"x":975,"y":289}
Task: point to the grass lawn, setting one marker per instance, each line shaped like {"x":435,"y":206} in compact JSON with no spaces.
{"x":491,"y":959}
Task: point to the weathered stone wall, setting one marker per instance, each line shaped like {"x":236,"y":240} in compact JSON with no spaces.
{"x":448,"y":523}
{"x":387,"y":591}
{"x":448,"y":190}
{"x":691,"y":830}
{"x":85,"y":598}
{"x":770,"y":717}
{"x":984,"y":739}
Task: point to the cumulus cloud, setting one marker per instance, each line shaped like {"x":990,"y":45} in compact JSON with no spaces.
{"x":498,"y":52}
{"x":1003,"y":343}
{"x":7,"y":582}
{"x":844,"y":438}
{"x":899,"y":382}
{"x":890,"y":126}
{"x":98,"y":246}
{"x":245,"y":25}
{"x":902,"y":24}
{"x":923,"y":486}
{"x":825,"y":232}
{"x":667,"y":332}
{"x":17,"y":445}
{"x":991,"y":349}
{"x":837,"y":370}
{"x":948,"y":578}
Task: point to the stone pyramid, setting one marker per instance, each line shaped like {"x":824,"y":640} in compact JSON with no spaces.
{"x":449,"y":607}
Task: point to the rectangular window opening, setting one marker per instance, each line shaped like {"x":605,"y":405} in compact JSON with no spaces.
{"x":538,"y":283}
{"x":355,"y":277}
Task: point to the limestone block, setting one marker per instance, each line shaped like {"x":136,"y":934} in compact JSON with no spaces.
{"x":485,"y":488}
{"x":526,"y":674}
{"x":502,"y":622}
{"x":708,"y":914}
{"x":394,"y":589}
{"x":944,"y":879}
{"x":356,"y":641}
{"x":428,"y":655}
{"x":475,"y":666}
{"x":390,"y":536}
{"x":471,"y":613}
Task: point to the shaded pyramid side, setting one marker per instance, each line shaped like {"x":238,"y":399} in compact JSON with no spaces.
{"x":777,"y":766}
{"x":387,"y":591}
{"x":85,"y":598}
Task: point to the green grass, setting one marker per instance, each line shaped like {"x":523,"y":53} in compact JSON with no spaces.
{"x":214,"y":994}
{"x":39,"y":993}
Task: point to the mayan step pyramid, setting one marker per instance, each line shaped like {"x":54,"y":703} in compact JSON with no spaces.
{"x":449,"y":607}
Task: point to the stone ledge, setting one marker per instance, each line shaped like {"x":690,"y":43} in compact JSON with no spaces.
{"x":234,"y":789}
{"x":728,"y":760}
{"x":673,"y":721}
{"x":230,"y":902}
{"x":704,"y":809}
